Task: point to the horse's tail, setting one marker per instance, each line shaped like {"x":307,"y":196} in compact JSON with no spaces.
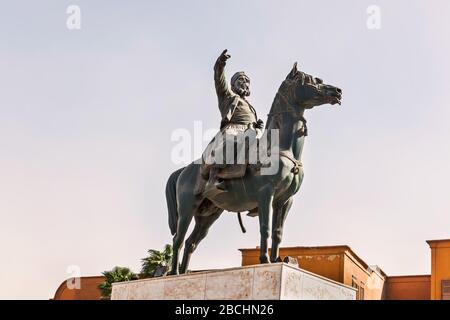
{"x":171,"y":198}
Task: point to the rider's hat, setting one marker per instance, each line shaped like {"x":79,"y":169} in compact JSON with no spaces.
{"x":237,"y":75}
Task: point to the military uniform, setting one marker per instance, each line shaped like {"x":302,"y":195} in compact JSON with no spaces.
{"x":238,"y":115}
{"x":234,"y":109}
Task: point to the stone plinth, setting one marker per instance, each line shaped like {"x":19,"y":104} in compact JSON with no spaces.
{"x":259,"y":282}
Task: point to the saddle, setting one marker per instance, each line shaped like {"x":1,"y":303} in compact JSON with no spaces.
{"x":223,"y":171}
{"x":237,"y":169}
{"x":232,"y":171}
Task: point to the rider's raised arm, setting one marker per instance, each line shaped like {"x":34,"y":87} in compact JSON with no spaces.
{"x":219,"y":76}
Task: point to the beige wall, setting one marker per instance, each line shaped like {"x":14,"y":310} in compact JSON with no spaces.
{"x":370,"y":283}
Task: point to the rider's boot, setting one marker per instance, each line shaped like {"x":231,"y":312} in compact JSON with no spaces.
{"x":214,"y":185}
{"x":220,"y":184}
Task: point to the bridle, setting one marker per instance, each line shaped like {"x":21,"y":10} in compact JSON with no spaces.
{"x":299,"y":117}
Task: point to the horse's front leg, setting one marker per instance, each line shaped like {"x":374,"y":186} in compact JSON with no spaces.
{"x":202,"y":225}
{"x":279,"y":216}
{"x":265,"y":198}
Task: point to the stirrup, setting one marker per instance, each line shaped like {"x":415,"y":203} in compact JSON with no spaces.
{"x":221,"y":185}
{"x":211,"y":190}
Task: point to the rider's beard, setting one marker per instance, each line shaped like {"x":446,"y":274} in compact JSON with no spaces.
{"x":242,"y":91}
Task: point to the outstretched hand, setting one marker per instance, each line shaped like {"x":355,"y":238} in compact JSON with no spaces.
{"x":224,"y":56}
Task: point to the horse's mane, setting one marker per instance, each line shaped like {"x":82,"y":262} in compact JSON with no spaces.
{"x":278,"y":102}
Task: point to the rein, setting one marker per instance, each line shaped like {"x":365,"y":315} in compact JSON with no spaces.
{"x":298,"y":117}
{"x":297,"y":164}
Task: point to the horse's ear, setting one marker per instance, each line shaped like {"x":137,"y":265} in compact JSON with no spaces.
{"x":293,"y":72}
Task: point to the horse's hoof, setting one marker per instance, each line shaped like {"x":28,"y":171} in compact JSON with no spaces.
{"x":264,"y":260}
{"x":277,"y":259}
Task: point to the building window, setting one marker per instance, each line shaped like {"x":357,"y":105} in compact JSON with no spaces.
{"x":445,"y":289}
{"x":355,"y":285}
{"x":361,"y":291}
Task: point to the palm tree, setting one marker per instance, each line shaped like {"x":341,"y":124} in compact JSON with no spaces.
{"x":117,"y":274}
{"x":157,"y":263}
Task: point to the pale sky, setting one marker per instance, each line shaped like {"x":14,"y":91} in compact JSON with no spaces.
{"x":86,"y":118}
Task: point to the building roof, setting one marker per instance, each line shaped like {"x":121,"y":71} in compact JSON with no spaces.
{"x":438,"y":242}
{"x":410,"y":276}
{"x":337,"y":248}
{"x":88,"y":289}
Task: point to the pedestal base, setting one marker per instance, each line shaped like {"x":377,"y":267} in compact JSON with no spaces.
{"x":276,"y":281}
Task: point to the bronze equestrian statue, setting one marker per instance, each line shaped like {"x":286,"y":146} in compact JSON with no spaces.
{"x":248,"y":189}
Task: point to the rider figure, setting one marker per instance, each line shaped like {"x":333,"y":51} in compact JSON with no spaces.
{"x":237,"y":113}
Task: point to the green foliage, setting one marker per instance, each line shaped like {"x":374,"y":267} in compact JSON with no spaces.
{"x":117,"y":274}
{"x":156,"y":259}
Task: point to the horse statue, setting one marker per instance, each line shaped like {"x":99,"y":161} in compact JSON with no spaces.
{"x":254,"y":192}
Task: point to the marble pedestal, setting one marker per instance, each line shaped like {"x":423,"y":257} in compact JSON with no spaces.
{"x":258,"y":282}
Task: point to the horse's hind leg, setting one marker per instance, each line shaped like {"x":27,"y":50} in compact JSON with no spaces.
{"x":185,"y":217}
{"x":279,"y":216}
{"x":202,"y":225}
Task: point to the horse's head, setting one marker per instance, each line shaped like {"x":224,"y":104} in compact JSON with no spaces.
{"x":307,"y":91}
